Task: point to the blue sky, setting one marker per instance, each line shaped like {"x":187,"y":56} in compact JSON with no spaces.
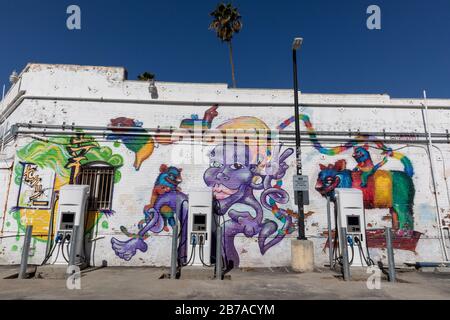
{"x":171,"y":38}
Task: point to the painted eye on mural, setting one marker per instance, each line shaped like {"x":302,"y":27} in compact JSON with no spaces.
{"x":215,"y":164}
{"x":236,"y":166}
{"x":329,"y":180}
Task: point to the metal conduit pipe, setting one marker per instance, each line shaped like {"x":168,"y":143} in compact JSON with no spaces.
{"x":433,"y":175}
{"x":258,"y":131}
{"x":231,"y":138}
{"x":441,"y":233}
{"x":185,"y":133}
{"x":444,"y":170}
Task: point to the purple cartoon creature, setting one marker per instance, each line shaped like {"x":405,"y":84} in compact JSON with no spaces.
{"x":167,"y":201}
{"x":233,"y":179}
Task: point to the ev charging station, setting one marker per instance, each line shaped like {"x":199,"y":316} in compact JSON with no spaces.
{"x":350,"y":215}
{"x":199,"y":228}
{"x":70,"y":217}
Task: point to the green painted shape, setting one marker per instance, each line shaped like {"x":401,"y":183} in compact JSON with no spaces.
{"x":89,"y":230}
{"x":136,"y":143}
{"x":14,"y":248}
{"x":54,"y":155}
{"x":105,"y":225}
{"x":403,"y":198}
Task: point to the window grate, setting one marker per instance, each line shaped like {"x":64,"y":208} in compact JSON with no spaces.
{"x":101,"y":182}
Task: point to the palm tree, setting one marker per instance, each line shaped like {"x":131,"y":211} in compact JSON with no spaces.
{"x":227,"y":22}
{"x":146,"y":76}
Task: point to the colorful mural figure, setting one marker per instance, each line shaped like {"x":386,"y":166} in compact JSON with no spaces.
{"x":204,"y":123}
{"x":142,"y":145}
{"x":244,"y":189}
{"x":61,"y":156}
{"x":231,"y":176}
{"x":160,"y":212}
{"x":158,"y":215}
{"x":392,"y":189}
{"x":168,"y":180}
{"x":260,"y":146}
{"x":364,"y":163}
{"x":389,"y":189}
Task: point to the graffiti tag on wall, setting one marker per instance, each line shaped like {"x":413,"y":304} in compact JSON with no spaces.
{"x":62,"y":158}
{"x":36,"y":187}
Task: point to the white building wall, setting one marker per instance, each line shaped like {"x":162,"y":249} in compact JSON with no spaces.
{"x":92,"y":96}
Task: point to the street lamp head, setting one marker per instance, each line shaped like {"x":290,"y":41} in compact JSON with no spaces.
{"x":297,"y":43}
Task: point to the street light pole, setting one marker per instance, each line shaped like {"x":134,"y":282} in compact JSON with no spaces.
{"x":301,"y":211}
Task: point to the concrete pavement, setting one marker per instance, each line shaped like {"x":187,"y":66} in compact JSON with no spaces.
{"x":252,"y":284}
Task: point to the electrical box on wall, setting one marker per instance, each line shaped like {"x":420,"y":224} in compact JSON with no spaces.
{"x":350,"y":215}
{"x":71,"y":212}
{"x":199,"y":227}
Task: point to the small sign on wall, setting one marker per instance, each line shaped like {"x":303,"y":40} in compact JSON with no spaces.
{"x":36,"y":187}
{"x":301,"y":183}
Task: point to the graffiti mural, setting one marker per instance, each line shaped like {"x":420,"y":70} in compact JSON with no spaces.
{"x":63,"y":156}
{"x":159,"y":214}
{"x":141,"y":145}
{"x":246,"y":178}
{"x":36,"y":187}
{"x":78,"y":149}
{"x":390,"y":189}
{"x":232,"y":179}
{"x":204,"y":123}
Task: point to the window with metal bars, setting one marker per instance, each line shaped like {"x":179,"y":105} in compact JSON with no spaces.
{"x":100,"y":178}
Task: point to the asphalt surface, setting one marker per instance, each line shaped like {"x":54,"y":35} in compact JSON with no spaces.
{"x":252,"y":284}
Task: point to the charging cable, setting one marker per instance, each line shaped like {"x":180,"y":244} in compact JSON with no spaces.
{"x":58,"y":238}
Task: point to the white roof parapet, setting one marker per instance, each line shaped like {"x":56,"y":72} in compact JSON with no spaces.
{"x":109,"y":84}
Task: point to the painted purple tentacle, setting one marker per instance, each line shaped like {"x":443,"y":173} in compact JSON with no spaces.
{"x":127,"y":249}
{"x":183,"y":218}
{"x":278,"y":195}
{"x":234,"y":180}
{"x":251,"y":201}
{"x":281,"y":170}
{"x":230,"y":230}
{"x":267,"y":231}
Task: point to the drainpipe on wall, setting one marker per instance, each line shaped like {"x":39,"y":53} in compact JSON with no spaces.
{"x":433,"y":175}
{"x":444,"y":169}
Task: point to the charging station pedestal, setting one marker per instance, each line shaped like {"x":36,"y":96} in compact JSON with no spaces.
{"x":199,"y":227}
{"x":71,"y":212}
{"x":350,"y":215}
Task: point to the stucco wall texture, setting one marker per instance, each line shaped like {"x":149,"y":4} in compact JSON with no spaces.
{"x":88,"y":97}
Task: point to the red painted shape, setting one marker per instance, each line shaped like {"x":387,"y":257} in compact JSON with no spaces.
{"x":368,"y":191}
{"x":402,"y":239}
